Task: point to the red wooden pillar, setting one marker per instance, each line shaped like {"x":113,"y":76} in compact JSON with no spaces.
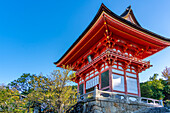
{"x":110,"y":78}
{"x":138,"y":84}
{"x":99,"y":80}
{"x":125,"y":81}
{"x":99,"y":70}
{"x":84,"y":86}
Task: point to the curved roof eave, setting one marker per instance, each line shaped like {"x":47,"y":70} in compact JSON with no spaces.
{"x":108,"y":11}
{"x":128,"y":12}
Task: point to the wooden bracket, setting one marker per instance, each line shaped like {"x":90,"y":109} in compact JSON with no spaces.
{"x":127,"y":64}
{"x":140,"y":67}
{"x":97,"y":66}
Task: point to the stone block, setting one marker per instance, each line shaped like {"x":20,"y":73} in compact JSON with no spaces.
{"x":92,"y":103}
{"x":115,"y":104}
{"x":113,"y":109}
{"x":97,"y":108}
{"x":97,"y":111}
{"x":98,"y":103}
{"x":104,"y":110}
{"x":104,"y":104}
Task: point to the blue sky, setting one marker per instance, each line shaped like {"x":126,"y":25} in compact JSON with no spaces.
{"x":36,"y":33}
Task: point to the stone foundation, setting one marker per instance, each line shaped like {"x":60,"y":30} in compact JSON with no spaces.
{"x":111,"y":106}
{"x":107,"y":106}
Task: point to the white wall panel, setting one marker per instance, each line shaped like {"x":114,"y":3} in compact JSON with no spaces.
{"x":118,"y":82}
{"x":132,"y":85}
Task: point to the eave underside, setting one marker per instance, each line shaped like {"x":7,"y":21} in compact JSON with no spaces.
{"x":110,"y":57}
{"x":117,"y":26}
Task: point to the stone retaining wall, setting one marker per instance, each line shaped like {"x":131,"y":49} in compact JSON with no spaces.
{"x":111,"y":106}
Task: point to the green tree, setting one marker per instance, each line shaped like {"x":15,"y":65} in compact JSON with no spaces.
{"x":55,"y":91}
{"x":152,"y":88}
{"x":166,"y":83}
{"x":166,"y":89}
{"x":146,"y":90}
{"x":153,"y":77}
{"x":11,"y":101}
{"x":37,"y":96}
{"x":22,"y":84}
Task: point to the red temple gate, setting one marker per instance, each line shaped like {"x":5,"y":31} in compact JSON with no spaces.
{"x":110,"y":52}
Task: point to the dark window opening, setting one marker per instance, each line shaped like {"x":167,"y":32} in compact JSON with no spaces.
{"x":89,"y":90}
{"x":105,"y":79}
{"x":81,"y":89}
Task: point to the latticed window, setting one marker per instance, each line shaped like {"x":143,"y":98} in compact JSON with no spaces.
{"x":92,"y":80}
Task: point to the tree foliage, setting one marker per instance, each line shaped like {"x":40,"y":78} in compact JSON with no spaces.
{"x":166,"y":89}
{"x":166,"y":74}
{"x":52,"y":93}
{"x":22,"y":84}
{"x":155,"y":88}
{"x":11,"y":101}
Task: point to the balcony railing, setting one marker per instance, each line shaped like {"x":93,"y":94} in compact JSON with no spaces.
{"x":105,"y":95}
{"x":118,"y":55}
